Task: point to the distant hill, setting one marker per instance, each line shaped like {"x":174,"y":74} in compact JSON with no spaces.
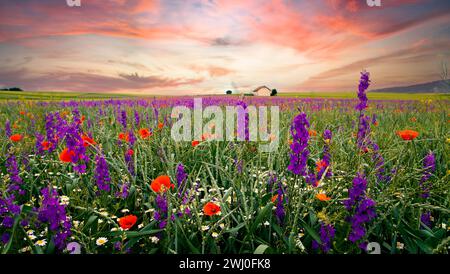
{"x":430,"y":87}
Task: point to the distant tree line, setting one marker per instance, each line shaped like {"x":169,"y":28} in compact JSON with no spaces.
{"x":11,"y":89}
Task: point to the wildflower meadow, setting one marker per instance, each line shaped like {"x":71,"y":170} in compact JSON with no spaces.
{"x":105,"y":176}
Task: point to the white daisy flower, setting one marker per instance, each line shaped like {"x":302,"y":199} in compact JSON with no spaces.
{"x":64,"y":200}
{"x":215,"y":234}
{"x":41,"y":242}
{"x":205,"y":227}
{"x":101,"y":241}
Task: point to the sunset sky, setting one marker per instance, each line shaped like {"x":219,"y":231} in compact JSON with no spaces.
{"x":209,"y":46}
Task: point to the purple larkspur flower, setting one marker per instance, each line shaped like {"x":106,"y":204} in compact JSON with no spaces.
{"x":378,"y":159}
{"x":299,"y":147}
{"x":102,"y":177}
{"x":161,"y":210}
{"x":12,"y":168}
{"x":425,"y":218}
{"x":5,"y":238}
{"x":8,"y":222}
{"x":123,"y":118}
{"x":129,"y":162}
{"x":327,"y":233}
{"x":137,"y":118}
{"x":429,"y":166}
{"x":8,"y":128}
{"x":123,"y":190}
{"x":326,"y":156}
{"x":39,"y":149}
{"x":360,"y":207}
{"x":53,"y":213}
{"x":181,"y":177}
{"x":280,"y":212}
{"x":364,"y":83}
{"x":131,"y":138}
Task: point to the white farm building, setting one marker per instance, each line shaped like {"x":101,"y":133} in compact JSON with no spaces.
{"x":262,"y":91}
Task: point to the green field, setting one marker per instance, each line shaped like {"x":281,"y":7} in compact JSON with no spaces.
{"x":46,"y":95}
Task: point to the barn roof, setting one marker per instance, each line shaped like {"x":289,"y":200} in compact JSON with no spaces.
{"x":261,"y":87}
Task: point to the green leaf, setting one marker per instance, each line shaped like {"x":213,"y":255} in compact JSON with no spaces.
{"x":261,"y":249}
{"x":235,"y":229}
{"x":261,"y":215}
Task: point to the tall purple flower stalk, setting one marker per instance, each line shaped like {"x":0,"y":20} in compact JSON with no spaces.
{"x":360,"y":207}
{"x":299,"y":147}
{"x":123,"y":190}
{"x":38,"y":146}
{"x":429,"y":165}
{"x":8,"y":128}
{"x":13,"y":170}
{"x":8,"y":210}
{"x":280,"y":212}
{"x":137,"y":119}
{"x":102,"y":177}
{"x":327,"y":233}
{"x":181,"y":177}
{"x":363,"y":137}
{"x":326,"y":156}
{"x":364,"y":83}
{"x":75,"y":143}
{"x":123,"y":118}
{"x":160,"y":214}
{"x":53,"y":213}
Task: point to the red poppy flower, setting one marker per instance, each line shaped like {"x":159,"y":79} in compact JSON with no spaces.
{"x":408,"y":134}
{"x":130,"y":152}
{"x":145,"y":133}
{"x":124,"y":137}
{"x":211,"y":209}
{"x":127,"y":222}
{"x":46,"y":145}
{"x":160,"y":125}
{"x":88,"y":141}
{"x":195,"y":143}
{"x":322,"y":197}
{"x":66,"y":155}
{"x":16,"y":137}
{"x":161,"y":184}
{"x":312,"y":132}
{"x":321,"y":165}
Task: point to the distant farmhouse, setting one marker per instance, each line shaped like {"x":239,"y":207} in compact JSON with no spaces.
{"x":259,"y":91}
{"x":262,"y":91}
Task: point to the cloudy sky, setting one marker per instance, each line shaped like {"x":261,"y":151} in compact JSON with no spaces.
{"x":208,"y":46}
